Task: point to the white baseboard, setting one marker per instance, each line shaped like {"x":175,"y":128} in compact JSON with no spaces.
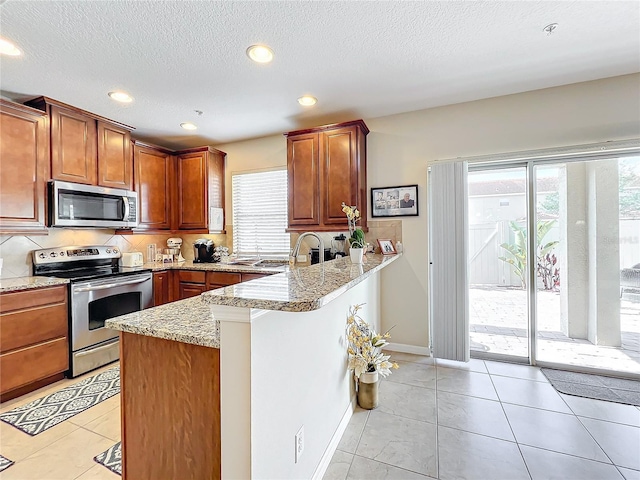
{"x":414,"y":349}
{"x":335,"y":440}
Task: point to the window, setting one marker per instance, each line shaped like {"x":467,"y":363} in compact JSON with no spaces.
{"x":260,"y":214}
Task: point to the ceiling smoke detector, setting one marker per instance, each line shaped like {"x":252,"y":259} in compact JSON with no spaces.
{"x":549,"y":29}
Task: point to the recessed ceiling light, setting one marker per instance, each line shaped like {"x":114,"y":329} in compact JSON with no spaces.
{"x":260,"y":53}
{"x":8,"y":48}
{"x":188,"y":126}
{"x":121,"y":97}
{"x":307,"y":100}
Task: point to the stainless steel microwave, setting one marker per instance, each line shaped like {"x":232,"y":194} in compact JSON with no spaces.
{"x":78,"y":205}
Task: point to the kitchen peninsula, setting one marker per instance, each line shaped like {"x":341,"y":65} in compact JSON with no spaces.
{"x":217,"y":386}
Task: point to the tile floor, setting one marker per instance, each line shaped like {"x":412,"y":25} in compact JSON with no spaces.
{"x":65,"y":451}
{"x":486,"y":421}
{"x":481,"y":420}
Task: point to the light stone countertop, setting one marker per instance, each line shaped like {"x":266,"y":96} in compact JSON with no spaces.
{"x":186,"y":321}
{"x":214,"y":267}
{"x":29,"y":283}
{"x":300,"y":289}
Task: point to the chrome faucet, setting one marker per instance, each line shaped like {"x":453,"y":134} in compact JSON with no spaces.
{"x":296,"y":249}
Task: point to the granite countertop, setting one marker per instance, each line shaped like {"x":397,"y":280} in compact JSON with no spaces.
{"x":186,"y":321}
{"x":216,"y":267}
{"x":300,"y":289}
{"x":29,"y":283}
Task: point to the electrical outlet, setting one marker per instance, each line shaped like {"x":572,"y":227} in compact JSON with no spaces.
{"x":302,"y":258}
{"x":299,"y":443}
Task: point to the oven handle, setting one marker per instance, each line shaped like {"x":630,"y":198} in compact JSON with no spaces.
{"x":109,"y":285}
{"x":127,"y":207}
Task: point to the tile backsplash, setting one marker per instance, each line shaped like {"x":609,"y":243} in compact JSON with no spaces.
{"x":15,"y":250}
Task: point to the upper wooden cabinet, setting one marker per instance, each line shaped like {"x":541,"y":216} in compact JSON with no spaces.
{"x":154,"y":182}
{"x":24,"y":163}
{"x":177,"y":189}
{"x":326,"y":166}
{"x":87,"y":148}
{"x":200,"y":181}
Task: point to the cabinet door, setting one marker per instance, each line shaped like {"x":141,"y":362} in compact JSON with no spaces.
{"x":193,"y":203}
{"x":24,"y":164}
{"x":154,"y":176}
{"x":114,"y":157}
{"x":73,"y":146}
{"x":187,"y":290}
{"x":339,"y":168}
{"x":161,"y":288}
{"x":304,"y":179}
{"x":222,"y":279}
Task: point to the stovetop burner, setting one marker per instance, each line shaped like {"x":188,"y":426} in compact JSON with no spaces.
{"x":80,"y":263}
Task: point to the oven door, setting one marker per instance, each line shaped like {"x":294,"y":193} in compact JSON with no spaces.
{"x":94,"y":301}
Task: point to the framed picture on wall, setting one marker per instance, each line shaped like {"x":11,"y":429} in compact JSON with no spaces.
{"x":399,"y":201}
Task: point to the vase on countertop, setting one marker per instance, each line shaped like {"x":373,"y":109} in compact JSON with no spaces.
{"x":356,"y":254}
{"x":368,"y":390}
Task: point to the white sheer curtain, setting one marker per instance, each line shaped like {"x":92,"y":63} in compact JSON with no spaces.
{"x":449,"y":305}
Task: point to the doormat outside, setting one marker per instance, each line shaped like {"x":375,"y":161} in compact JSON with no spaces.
{"x":111,"y":458}
{"x":599,"y":387}
{"x":5,"y":463}
{"x":46,"y":412}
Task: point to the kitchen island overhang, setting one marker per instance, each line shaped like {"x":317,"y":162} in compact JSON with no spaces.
{"x":282,"y":365}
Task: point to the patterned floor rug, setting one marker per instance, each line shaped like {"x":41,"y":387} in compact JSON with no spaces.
{"x":111,"y":458}
{"x":46,"y":412}
{"x":5,"y":463}
{"x":599,"y":387}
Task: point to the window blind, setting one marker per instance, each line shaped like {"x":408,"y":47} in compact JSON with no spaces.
{"x":260,"y":213}
{"x":449,"y":310}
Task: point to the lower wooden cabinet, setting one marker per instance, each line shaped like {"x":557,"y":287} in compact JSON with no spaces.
{"x":162,"y":288}
{"x":34,"y":347}
{"x":172,"y":285}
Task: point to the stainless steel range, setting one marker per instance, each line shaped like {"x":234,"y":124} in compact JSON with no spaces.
{"x":99,"y":290}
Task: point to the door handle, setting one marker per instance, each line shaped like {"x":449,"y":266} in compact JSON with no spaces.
{"x":127,"y":208}
{"x":90,"y":288}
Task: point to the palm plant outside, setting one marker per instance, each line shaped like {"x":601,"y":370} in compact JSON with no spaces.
{"x":545,"y":260}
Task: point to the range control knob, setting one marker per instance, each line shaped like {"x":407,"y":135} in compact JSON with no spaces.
{"x":53,"y":254}
{"x":62,"y":254}
{"x":108,"y":250}
{"x":115,"y":250}
{"x":42,"y":255}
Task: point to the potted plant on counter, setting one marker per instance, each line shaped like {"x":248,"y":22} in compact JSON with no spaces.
{"x":366,"y":358}
{"x":356,"y":235}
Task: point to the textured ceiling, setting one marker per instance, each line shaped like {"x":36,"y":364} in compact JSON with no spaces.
{"x":360,"y":59}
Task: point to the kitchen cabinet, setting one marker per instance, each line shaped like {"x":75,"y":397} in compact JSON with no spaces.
{"x":190,"y":283}
{"x":222,"y":279}
{"x":86,"y":148}
{"x":24,"y":162}
{"x":154,"y":182}
{"x":200,"y":186}
{"x":177,"y":189}
{"x":34,"y":349}
{"x":326,"y":166}
{"x":162,"y":288}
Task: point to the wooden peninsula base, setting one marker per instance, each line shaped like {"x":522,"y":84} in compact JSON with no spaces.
{"x":170,"y":399}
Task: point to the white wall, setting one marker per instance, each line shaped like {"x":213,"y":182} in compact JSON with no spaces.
{"x":294,"y":374}
{"x":399,"y":147}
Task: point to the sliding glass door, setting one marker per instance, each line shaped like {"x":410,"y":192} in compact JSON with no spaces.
{"x":588,"y":292}
{"x":577,"y":301}
{"x":497,"y":251}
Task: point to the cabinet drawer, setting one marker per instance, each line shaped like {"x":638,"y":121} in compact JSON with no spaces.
{"x":32,"y":298}
{"x":22,"y":328}
{"x":223,"y":278}
{"x":27,"y":365}
{"x":192,"y":277}
{"x":252,"y":276}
